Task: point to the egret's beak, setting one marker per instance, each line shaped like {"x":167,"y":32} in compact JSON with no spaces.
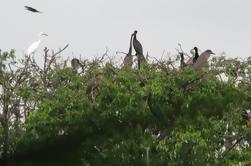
{"x":213,"y":53}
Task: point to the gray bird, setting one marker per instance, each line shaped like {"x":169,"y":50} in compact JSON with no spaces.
{"x":138,"y":49}
{"x":93,"y":84}
{"x":75,"y":63}
{"x":128,"y":60}
{"x":202,"y":61}
{"x":32,"y":9}
{"x":136,"y":44}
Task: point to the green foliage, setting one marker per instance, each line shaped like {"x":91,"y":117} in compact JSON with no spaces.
{"x":198,"y":111}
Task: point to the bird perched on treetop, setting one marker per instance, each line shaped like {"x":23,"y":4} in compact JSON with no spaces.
{"x":32,"y":9}
{"x":128,"y":60}
{"x":138,"y":49}
{"x":34,"y":46}
{"x":136,"y":44}
{"x":93,"y":84}
{"x":202,"y":59}
{"x":196,"y":55}
{"x":182,"y":63}
{"x":75,"y":63}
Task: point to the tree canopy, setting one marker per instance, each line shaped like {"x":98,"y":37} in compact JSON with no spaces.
{"x":159,"y":115}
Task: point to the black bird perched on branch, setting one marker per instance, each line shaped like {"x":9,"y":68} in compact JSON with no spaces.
{"x":32,"y":9}
{"x":136,"y":44}
{"x":196,"y":55}
{"x":138,"y":49}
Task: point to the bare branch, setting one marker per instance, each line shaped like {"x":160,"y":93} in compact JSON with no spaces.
{"x":60,"y":50}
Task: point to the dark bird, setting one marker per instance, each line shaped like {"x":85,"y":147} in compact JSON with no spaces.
{"x":136,"y":44}
{"x":138,"y":49}
{"x":196,"y":55}
{"x":191,"y":59}
{"x":128,"y":60}
{"x":182,"y":63}
{"x":32,"y":9}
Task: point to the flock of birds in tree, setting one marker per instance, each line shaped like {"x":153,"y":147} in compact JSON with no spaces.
{"x":197,"y":61}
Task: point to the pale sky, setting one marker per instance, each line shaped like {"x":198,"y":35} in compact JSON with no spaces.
{"x":89,"y":26}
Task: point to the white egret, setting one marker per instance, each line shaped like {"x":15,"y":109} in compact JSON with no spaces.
{"x":202,"y":60}
{"x":34,"y":46}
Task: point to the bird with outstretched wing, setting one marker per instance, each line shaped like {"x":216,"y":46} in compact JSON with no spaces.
{"x":32,"y":9}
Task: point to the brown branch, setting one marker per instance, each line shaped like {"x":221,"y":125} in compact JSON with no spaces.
{"x":236,"y":143}
{"x":183,"y":51}
{"x":61,"y":50}
{"x":120,"y":52}
{"x":233,"y":146}
{"x":46,"y":50}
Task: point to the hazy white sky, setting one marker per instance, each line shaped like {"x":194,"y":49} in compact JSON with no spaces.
{"x":89,"y":26}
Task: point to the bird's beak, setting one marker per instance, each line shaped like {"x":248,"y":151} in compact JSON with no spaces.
{"x":44,"y":34}
{"x":213,"y":53}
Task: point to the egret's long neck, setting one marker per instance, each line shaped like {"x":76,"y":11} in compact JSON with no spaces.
{"x":40,"y":39}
